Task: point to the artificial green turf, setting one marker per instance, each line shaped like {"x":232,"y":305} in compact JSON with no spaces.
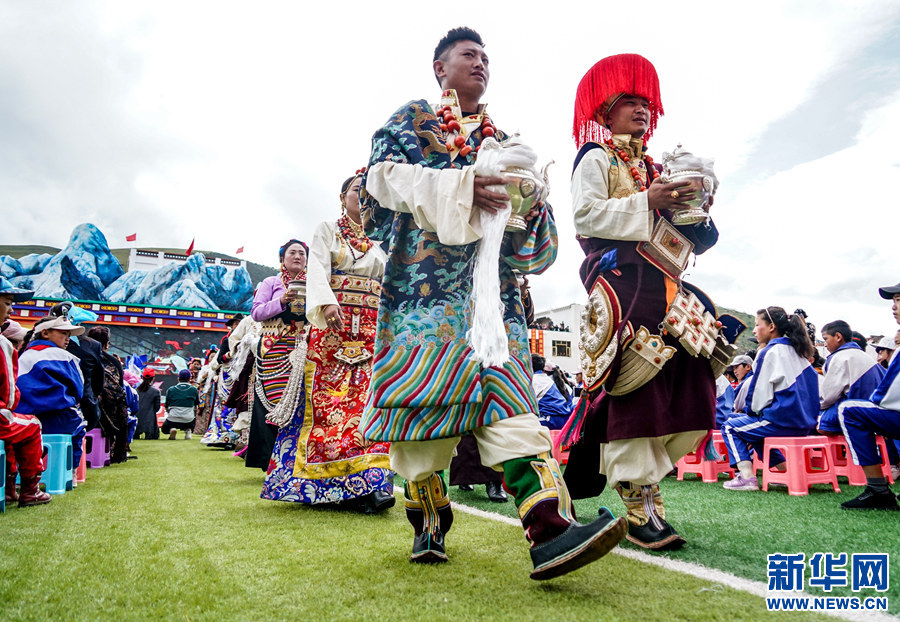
{"x":735,"y":530}
{"x":181,"y":534}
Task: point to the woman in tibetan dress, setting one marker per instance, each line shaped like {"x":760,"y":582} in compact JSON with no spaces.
{"x":321,"y":456}
{"x":277,"y":309}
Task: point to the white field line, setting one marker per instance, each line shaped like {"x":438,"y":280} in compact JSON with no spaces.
{"x":713,"y":575}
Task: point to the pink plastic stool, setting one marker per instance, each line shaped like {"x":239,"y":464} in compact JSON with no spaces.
{"x":560,"y":456}
{"x":96,"y":448}
{"x":799,"y":454}
{"x":708,"y":470}
{"x":843,"y":463}
{"x":81,"y":471}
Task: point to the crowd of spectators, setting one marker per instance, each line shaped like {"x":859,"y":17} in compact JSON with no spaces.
{"x":786,"y":388}
{"x":58,"y":378}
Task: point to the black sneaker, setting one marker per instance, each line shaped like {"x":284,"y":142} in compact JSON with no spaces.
{"x":577,"y":546}
{"x":870,"y":499}
{"x":428,"y":548}
{"x":655,"y":538}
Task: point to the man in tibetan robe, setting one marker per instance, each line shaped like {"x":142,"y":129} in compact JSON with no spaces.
{"x":423,"y":201}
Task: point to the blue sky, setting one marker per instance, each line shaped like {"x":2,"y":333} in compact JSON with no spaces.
{"x":235,"y":123}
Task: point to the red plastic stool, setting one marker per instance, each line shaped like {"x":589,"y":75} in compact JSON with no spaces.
{"x":708,"y":470}
{"x":843,"y":463}
{"x":81,"y":471}
{"x":560,"y":456}
{"x":799,"y":454}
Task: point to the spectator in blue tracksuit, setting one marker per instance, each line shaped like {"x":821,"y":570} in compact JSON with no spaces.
{"x":553,"y":407}
{"x":724,"y":400}
{"x":850,"y":374}
{"x":861,"y":420}
{"x":742,"y":366}
{"x":50,"y":381}
{"x":782,"y":398}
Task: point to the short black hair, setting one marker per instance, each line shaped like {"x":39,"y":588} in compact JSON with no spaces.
{"x":99,"y":334}
{"x":838,"y":327}
{"x":463,"y":33}
{"x":537,"y":362}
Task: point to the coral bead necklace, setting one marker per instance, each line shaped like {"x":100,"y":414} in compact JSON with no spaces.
{"x":451,"y":128}
{"x":635,"y":173}
{"x":353,"y":234}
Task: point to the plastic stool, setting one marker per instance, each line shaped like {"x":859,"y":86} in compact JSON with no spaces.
{"x":57,"y":476}
{"x":799,"y":452}
{"x":3,"y":479}
{"x":562,"y":457}
{"x":708,"y":470}
{"x":97,"y":449}
{"x":81,"y":471}
{"x":843,"y":463}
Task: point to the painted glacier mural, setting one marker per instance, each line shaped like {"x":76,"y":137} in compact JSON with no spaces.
{"x":87,"y":270}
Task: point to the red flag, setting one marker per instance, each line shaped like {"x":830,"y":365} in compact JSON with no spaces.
{"x":131,"y":238}
{"x":240,"y":250}
{"x":190,"y":248}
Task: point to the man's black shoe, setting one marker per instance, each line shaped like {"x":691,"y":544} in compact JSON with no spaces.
{"x":428,"y":548}
{"x":577,"y":546}
{"x":656,"y":538}
{"x":378,"y":501}
{"x":466,"y":487}
{"x":495,"y":492}
{"x":872,"y":500}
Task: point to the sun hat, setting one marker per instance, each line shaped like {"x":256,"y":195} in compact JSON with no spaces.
{"x":57,"y":323}
{"x":18,"y":294}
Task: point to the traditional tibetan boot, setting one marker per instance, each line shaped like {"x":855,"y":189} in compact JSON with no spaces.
{"x":428,"y":511}
{"x":647,"y":526}
{"x":30,"y":494}
{"x":559,"y":543}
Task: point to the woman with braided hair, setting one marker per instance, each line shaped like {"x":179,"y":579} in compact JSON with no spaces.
{"x":783,"y":397}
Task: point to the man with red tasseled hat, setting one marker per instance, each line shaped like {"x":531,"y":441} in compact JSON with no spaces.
{"x":647,"y":401}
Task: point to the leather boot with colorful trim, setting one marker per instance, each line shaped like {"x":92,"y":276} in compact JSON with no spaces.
{"x":428,"y":511}
{"x":559,"y":543}
{"x":647,"y":526}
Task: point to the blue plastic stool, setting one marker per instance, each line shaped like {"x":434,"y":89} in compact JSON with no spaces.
{"x":3,"y":479}
{"x":57,"y":477}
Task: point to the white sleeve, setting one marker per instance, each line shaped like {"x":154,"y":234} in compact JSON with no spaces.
{"x":440,"y":201}
{"x":768,"y":376}
{"x":318,"y":276}
{"x":835,"y":382}
{"x":597,"y":215}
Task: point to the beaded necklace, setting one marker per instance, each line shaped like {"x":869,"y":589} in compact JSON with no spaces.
{"x":353,"y":233}
{"x":451,"y":129}
{"x":635,"y":173}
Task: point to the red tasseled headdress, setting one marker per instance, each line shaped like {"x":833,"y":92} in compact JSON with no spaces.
{"x":631,"y":74}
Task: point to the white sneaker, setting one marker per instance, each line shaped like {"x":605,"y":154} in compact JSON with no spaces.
{"x":895,"y":472}
{"x":187,"y":435}
{"x":742,"y":483}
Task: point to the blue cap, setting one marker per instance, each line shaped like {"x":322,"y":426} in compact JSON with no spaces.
{"x":18,"y":294}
